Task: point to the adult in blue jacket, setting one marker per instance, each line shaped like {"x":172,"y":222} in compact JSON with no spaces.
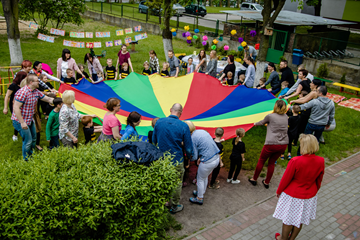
{"x":171,"y":134}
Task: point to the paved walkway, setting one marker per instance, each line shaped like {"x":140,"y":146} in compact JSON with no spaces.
{"x":338,"y":211}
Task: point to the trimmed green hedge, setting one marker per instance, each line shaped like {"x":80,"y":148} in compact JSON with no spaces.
{"x":83,"y":194}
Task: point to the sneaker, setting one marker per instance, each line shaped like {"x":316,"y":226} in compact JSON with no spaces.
{"x":235,"y":181}
{"x":176,"y":209}
{"x":229,"y":180}
{"x":289,"y":157}
{"x":195,"y":193}
{"x":194,"y":181}
{"x":196,"y":200}
{"x":282,"y":157}
{"x":15,"y":138}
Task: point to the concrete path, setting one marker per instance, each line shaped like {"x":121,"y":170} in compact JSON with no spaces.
{"x":338,"y":211}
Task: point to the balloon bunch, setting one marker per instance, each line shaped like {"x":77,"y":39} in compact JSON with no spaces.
{"x":240,"y":39}
{"x":233,"y":32}
{"x":257,"y":46}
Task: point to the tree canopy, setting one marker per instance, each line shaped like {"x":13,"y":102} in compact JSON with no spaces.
{"x":56,"y":12}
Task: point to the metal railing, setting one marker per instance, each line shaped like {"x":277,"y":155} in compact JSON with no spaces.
{"x":5,"y":81}
{"x":323,"y":48}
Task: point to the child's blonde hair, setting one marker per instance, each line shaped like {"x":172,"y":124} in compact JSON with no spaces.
{"x":153,"y":122}
{"x":240,"y":133}
{"x":41,"y":76}
{"x":263,"y":80}
{"x":81,"y":66}
{"x":242,"y":77}
{"x":166,"y":64}
{"x":125,"y":64}
{"x":229,"y":74}
{"x":146,"y":63}
{"x":285,"y":83}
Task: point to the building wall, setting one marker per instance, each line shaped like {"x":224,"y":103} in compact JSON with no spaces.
{"x":333,"y":8}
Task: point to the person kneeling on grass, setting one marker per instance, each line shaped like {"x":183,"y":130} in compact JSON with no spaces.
{"x":207,"y":155}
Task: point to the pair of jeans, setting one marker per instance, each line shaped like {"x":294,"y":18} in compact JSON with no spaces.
{"x":313,"y":128}
{"x":28,"y":138}
{"x":235,"y":162}
{"x":153,"y":71}
{"x":175,"y":200}
{"x":67,"y":143}
{"x":271,"y":152}
{"x":94,"y":77}
{"x":54,"y":142}
{"x":204,"y":170}
{"x":214,"y":174}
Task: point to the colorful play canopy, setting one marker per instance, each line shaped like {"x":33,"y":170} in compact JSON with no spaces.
{"x":206,"y":102}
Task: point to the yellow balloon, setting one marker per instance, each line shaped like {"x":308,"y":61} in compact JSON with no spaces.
{"x":233,"y":32}
{"x":173,"y":30}
{"x":186,"y":28}
{"x":189,"y":38}
{"x":215,"y":41}
{"x":243,"y":44}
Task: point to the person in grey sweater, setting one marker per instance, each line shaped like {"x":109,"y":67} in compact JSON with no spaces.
{"x":250,"y":72}
{"x":212,"y":65}
{"x":275,"y":143}
{"x":322,"y":113}
{"x":273,"y":79}
{"x":206,"y":153}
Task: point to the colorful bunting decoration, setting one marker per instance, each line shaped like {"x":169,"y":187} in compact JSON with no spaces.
{"x":102,"y":34}
{"x":45,"y":38}
{"x":119,"y":32}
{"x":89,"y":45}
{"x":58,"y":32}
{"x":77,"y":34}
{"x":74,"y":44}
{"x":128,"y":30}
{"x":97,"y":44}
{"x":33,"y":25}
{"x":89,"y":35}
{"x":137,"y":28}
{"x":109,"y":44}
{"x":118,"y":42}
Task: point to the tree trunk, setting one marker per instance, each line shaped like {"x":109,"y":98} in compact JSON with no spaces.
{"x":166,"y":33}
{"x":268,"y":20}
{"x":11,"y":13}
{"x":228,"y":3}
{"x":318,"y":8}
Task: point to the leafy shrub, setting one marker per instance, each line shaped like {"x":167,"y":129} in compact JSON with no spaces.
{"x":343,"y":78}
{"x":322,"y":71}
{"x":83,"y":194}
{"x":282,"y":58}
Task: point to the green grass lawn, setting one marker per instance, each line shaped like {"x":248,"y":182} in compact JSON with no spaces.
{"x":218,"y":9}
{"x":339,"y":143}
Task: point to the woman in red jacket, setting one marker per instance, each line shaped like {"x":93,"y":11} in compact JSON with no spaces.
{"x":297,"y":191}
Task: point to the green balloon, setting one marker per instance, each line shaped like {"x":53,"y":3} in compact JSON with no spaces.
{"x":240,"y":48}
{"x":220,"y":39}
{"x":195,"y":37}
{"x":213,"y":47}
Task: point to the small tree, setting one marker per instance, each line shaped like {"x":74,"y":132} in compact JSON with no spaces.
{"x":343,"y":78}
{"x":322,"y":71}
{"x":56,"y":12}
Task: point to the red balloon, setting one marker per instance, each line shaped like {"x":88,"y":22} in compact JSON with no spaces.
{"x":257,"y":46}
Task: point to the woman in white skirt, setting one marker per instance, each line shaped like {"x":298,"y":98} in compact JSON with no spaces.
{"x":206,"y":153}
{"x":297,"y":191}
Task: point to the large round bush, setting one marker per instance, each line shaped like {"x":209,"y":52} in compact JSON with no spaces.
{"x":83,"y":194}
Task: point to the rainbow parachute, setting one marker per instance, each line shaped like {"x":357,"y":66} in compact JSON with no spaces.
{"x":206,"y":102}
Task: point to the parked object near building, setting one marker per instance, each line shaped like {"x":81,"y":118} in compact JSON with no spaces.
{"x":251,"y":7}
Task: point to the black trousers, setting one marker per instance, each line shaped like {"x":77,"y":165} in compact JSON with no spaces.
{"x":235,"y":162}
{"x":214,"y":174}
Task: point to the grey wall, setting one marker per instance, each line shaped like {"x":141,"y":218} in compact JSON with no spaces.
{"x":333,"y":8}
{"x":293,"y":6}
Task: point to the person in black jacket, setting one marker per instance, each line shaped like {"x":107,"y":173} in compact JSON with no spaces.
{"x":294,"y":122}
{"x":273,"y":80}
{"x":287,"y":74}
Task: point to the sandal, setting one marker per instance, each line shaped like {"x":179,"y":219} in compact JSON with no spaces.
{"x":214,"y":186}
{"x":265,"y":185}
{"x":277,"y":235}
{"x":254,"y":183}
{"x":39,"y":148}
